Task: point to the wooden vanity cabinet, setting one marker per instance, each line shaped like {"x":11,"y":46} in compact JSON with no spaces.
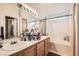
{"x":38,"y":49}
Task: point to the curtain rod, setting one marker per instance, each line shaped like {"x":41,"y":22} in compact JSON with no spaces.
{"x":52,"y":18}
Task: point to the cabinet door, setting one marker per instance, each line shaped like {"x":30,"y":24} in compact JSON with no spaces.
{"x":31,"y":51}
{"x":46,"y":46}
{"x":40,"y":49}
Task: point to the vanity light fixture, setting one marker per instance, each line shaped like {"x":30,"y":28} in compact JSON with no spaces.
{"x":27,"y":9}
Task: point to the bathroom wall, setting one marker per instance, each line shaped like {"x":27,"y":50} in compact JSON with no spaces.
{"x":7,"y":10}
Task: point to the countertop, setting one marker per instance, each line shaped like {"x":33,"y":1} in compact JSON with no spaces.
{"x":25,"y":44}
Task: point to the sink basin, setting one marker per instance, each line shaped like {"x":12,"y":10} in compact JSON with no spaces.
{"x":16,"y":46}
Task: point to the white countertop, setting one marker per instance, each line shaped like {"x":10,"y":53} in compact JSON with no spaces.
{"x":25,"y":44}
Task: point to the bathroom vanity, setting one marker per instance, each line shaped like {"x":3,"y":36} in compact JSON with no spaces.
{"x":30,"y":48}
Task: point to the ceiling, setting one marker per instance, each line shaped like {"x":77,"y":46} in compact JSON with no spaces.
{"x":46,"y":9}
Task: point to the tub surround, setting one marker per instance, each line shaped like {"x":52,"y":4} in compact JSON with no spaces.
{"x":6,"y":51}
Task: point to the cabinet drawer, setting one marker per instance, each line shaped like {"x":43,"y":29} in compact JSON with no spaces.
{"x":31,"y":51}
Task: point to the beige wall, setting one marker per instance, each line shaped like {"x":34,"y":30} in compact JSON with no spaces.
{"x":7,"y":10}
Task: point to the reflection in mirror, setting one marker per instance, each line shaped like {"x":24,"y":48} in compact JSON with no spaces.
{"x":24,"y":24}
